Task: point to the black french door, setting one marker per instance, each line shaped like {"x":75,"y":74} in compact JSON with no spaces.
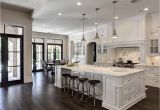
{"x":37,"y":56}
{"x":11,"y":61}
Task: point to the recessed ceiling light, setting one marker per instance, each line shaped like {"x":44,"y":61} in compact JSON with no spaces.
{"x":79,"y":3}
{"x":95,"y":23}
{"x":146,"y":9}
{"x":116,"y":17}
{"x":59,"y":14}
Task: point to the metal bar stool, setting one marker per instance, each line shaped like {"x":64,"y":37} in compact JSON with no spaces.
{"x":65,"y":83}
{"x":82,"y":81}
{"x":72,"y":83}
{"x":93,"y":84}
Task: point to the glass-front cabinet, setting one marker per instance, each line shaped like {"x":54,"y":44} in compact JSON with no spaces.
{"x":155,"y":46}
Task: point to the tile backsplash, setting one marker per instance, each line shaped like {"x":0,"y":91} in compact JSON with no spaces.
{"x":155,"y":60}
{"x":128,"y":54}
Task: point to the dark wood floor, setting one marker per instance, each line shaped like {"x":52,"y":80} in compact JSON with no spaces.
{"x":44,"y":96}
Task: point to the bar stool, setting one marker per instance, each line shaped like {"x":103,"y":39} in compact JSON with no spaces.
{"x":72,"y":83}
{"x":93,"y":84}
{"x":83,"y":82}
{"x":65,"y":84}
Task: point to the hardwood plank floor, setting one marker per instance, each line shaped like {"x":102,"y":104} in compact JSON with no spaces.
{"x":44,"y":96}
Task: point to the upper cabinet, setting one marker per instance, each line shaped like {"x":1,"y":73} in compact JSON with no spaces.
{"x":154,"y":46}
{"x":153,"y":33}
{"x":129,"y":30}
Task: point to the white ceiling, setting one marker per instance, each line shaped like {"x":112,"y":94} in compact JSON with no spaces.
{"x":46,"y":19}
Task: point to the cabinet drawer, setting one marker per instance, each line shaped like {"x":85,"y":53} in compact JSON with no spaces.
{"x":128,"y":80}
{"x":130,"y":96}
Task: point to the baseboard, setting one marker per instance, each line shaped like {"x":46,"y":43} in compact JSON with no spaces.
{"x":27,"y":79}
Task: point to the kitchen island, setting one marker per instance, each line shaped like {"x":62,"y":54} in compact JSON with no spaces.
{"x":120,"y":88}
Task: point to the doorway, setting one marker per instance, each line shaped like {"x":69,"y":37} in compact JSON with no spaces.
{"x":91,"y":53}
{"x":11,"y":63}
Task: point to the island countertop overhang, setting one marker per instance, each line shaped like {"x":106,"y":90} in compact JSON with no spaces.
{"x":111,"y":71}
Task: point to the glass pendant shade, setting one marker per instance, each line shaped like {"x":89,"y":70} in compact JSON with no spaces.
{"x":96,"y":37}
{"x":114,"y":35}
{"x":83,"y":39}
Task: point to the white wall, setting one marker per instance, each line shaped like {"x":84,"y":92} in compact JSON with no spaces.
{"x":53,"y":36}
{"x":15,"y":17}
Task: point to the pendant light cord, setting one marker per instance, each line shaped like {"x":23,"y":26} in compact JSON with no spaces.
{"x":97,"y":20}
{"x":114,"y":25}
{"x":114,"y":19}
{"x":83,"y":24}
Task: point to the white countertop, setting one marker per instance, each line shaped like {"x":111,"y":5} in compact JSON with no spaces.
{"x":112,"y":71}
{"x":148,"y":65}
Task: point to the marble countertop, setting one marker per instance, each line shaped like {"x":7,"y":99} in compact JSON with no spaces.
{"x":112,"y":71}
{"x":148,"y":65}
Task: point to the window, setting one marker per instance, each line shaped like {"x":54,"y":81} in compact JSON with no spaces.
{"x":55,"y":49}
{"x":99,"y":49}
{"x":37,"y":40}
{"x":10,"y":29}
{"x":1,"y":28}
{"x":54,"y":41}
{"x":104,"y":48}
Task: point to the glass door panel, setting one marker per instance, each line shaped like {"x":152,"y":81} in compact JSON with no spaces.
{"x":14,"y":59}
{"x":58,"y":52}
{"x":37,"y":56}
{"x":51,"y":50}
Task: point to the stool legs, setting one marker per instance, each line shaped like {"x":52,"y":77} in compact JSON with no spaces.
{"x":82,"y":91}
{"x":77,"y":90}
{"x":65,"y":84}
{"x":93,"y":95}
{"x":73,"y":86}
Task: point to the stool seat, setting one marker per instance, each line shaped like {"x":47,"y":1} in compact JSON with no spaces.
{"x":82,"y":79}
{"x":73,"y":77}
{"x":94,"y":82}
{"x":66,"y":75}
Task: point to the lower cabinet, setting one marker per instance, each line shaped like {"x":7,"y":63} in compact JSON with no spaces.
{"x":152,"y":75}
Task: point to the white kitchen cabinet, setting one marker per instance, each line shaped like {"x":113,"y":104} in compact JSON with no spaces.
{"x":155,"y":46}
{"x":129,"y":30}
{"x":152,"y":75}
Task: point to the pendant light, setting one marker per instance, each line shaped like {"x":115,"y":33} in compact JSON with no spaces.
{"x":83,"y":38}
{"x":114,"y":35}
{"x":97,"y":37}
